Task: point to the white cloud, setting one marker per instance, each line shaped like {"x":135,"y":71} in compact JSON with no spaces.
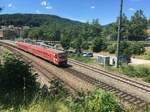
{"x":131,"y":9}
{"x":49,"y":7}
{"x":44,"y":3}
{"x":92,"y":7}
{"x":10,"y":5}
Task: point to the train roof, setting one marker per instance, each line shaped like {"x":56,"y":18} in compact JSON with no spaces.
{"x":48,"y":47}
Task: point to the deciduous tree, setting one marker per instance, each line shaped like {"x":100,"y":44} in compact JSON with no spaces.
{"x":138,"y":25}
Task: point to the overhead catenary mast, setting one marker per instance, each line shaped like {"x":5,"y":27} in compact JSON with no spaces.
{"x":119,"y":33}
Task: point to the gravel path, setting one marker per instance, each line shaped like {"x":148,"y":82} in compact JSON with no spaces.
{"x":135,"y":61}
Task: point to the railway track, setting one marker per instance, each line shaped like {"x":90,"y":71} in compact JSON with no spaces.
{"x":120,"y":78}
{"x":125,"y":96}
{"x":132,"y":99}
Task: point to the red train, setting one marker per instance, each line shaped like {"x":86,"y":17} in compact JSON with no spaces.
{"x":57,"y":57}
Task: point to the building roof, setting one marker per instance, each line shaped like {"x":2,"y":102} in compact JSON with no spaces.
{"x":148,"y":30}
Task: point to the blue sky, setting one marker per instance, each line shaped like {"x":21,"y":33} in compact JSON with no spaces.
{"x":82,"y":10}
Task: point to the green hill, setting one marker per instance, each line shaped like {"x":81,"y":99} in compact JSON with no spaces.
{"x":34,"y":20}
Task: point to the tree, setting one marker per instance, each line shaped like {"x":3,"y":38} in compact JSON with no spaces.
{"x":65,"y":41}
{"x":96,"y":28}
{"x":25,"y":34}
{"x":124,"y":29}
{"x":85,"y":45}
{"x":77,"y":44}
{"x":98,"y":45}
{"x":110,"y":31}
{"x":35,"y":33}
{"x":138,"y":26}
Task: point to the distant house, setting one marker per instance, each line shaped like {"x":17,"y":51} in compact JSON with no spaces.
{"x":1,"y":34}
{"x":11,"y":32}
{"x":148,"y":31}
{"x":7,"y":34}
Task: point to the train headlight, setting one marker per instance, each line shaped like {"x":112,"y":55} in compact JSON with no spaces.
{"x":56,"y":59}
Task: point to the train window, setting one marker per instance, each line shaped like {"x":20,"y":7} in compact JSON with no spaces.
{"x":62,"y":56}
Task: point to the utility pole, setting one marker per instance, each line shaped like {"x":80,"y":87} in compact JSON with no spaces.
{"x":119,"y":34}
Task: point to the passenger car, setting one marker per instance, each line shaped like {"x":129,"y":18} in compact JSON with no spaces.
{"x":55,"y":56}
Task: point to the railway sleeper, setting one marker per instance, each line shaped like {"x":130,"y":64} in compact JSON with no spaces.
{"x":105,"y":88}
{"x":120,"y":93}
{"x":139,"y":102}
{"x":124,"y":96}
{"x":101,"y":84}
{"x":128,"y":97}
{"x":109,"y":88}
{"x":143,"y":105}
{"x":116,"y":91}
{"x":113,"y":90}
{"x":133,"y":99}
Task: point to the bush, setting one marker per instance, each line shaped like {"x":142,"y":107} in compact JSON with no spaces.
{"x":97,"y":101}
{"x":137,"y":48}
{"x":57,"y":89}
{"x":112,"y":48}
{"x":16,"y":81}
{"x":129,"y":70}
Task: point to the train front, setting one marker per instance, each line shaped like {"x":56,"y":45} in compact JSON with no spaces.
{"x":62,"y":59}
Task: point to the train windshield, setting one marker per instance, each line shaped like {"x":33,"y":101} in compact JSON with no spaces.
{"x":62,"y":56}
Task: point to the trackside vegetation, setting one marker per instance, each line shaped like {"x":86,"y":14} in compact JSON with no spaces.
{"x":139,"y":71}
{"x":20,"y":92}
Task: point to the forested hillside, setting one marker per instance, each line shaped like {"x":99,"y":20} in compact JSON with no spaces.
{"x":34,"y":20}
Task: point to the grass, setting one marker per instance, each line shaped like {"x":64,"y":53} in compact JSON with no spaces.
{"x":41,"y":105}
{"x":83,"y":59}
{"x":139,"y":71}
